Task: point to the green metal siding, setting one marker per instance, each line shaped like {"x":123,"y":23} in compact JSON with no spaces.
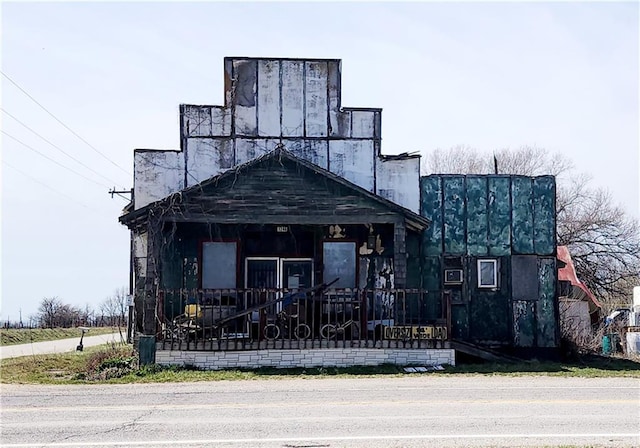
{"x":544,"y":219}
{"x":546,"y":310}
{"x":524,"y":323}
{"x":477,"y":219}
{"x":431,"y":207}
{"x":497,"y":216}
{"x":499,"y":209}
{"x":522,"y":215}
{"x":454,"y":234}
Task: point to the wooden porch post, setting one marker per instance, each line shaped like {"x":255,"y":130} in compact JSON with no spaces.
{"x":152,"y":280}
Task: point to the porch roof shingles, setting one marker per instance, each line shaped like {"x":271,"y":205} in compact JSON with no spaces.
{"x":278,"y":188}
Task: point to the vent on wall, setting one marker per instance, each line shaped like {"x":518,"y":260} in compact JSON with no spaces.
{"x":453,"y":276}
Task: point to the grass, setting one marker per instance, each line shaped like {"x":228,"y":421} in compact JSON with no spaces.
{"x":116,"y":364}
{"x":14,"y":336}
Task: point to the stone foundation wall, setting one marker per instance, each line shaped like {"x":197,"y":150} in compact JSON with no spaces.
{"x":347,"y":357}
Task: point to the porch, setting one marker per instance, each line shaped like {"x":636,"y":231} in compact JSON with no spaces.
{"x":319,"y":318}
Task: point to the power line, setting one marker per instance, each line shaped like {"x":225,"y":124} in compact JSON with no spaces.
{"x":52,"y":160}
{"x":58,"y":148}
{"x":47,"y":186}
{"x":65,"y":126}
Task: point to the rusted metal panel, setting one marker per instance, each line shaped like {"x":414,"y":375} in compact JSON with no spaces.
{"x":269,"y":98}
{"x":316,"y":107}
{"x":207,"y":157}
{"x":499,"y":210}
{"x":362,"y":124}
{"x":522,"y":214}
{"x":245,"y":98}
{"x":477,"y":218}
{"x":157,"y":174}
{"x":546,"y":309}
{"x":431,"y":207}
{"x":399,"y":181}
{"x":353,"y":160}
{"x":292,"y":98}
{"x":454,"y":215}
{"x":523,"y":323}
{"x":544,"y":216}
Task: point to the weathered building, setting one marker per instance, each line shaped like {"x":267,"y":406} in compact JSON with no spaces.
{"x":281,"y":190}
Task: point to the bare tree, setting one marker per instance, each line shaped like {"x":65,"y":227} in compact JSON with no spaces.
{"x":604,"y":241}
{"x":114,"y":309}
{"x":48,"y":311}
{"x":52,"y":313}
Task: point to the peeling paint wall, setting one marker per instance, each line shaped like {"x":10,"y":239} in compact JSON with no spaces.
{"x":140,"y":254}
{"x":157,"y":174}
{"x":399,"y":181}
{"x":268,"y":102}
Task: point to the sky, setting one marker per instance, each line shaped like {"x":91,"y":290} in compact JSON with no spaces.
{"x":562,"y":76}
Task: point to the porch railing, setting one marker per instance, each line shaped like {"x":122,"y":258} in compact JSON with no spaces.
{"x":250,"y":319}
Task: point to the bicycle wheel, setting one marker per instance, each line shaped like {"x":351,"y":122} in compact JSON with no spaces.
{"x":302,"y":331}
{"x":271,"y":332}
{"x":328,"y":331}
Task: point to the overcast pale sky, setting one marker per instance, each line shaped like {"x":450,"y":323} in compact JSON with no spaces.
{"x":563,"y":76}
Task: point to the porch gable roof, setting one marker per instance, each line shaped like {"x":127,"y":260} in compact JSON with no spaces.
{"x":276,"y":194}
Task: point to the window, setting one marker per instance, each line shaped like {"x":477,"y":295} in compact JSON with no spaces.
{"x":340,"y":262}
{"x":487,"y":273}
{"x":219,"y":265}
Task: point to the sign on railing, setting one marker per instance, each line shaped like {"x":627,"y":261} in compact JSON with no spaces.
{"x":415,"y":332}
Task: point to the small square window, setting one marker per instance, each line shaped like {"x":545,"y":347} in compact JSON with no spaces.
{"x":487,"y":274}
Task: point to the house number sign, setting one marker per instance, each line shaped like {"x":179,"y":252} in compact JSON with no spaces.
{"x":282,"y":229}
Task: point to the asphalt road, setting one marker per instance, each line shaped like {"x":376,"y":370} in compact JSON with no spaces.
{"x":416,"y":410}
{"x":58,"y":346}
